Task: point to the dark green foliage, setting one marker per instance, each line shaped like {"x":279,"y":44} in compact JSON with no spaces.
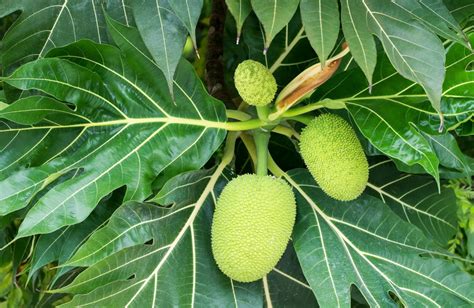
{"x":113,"y":151}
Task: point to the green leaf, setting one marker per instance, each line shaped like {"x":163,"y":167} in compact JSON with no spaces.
{"x":8,"y":7}
{"x":178,"y":237}
{"x":163,"y":33}
{"x":395,"y":116}
{"x":286,"y":285}
{"x":60,"y":245}
{"x":364,"y":243}
{"x":449,"y":153}
{"x":436,"y":17}
{"x":357,"y":33}
{"x":416,"y":199}
{"x":321,"y":24}
{"x":393,"y":137}
{"x":240,"y":9}
{"x":114,"y":137}
{"x":466,"y":129}
{"x":414,"y":51}
{"x":25,"y":146}
{"x":2,"y":100}
{"x":33,"y":109}
{"x":20,"y":249}
{"x":444,"y":172}
{"x":405,"y":30}
{"x":188,"y":12}
{"x":130,"y":226}
{"x":44,"y":25}
{"x":6,"y":277}
{"x":274,"y":16}
{"x":461,"y":10}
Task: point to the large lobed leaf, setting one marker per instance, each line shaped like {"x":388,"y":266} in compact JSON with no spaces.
{"x":45,"y":24}
{"x":62,"y":244}
{"x":416,"y":199}
{"x":124,"y":129}
{"x":363,"y":243}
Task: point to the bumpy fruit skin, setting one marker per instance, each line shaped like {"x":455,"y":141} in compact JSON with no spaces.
{"x":334,"y":156}
{"x":255,"y":83}
{"x":252,"y":224}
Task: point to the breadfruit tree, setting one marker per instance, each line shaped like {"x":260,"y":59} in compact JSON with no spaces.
{"x":237,"y":153}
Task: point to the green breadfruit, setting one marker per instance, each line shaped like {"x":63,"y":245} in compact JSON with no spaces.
{"x":334,"y":156}
{"x":255,"y":83}
{"x":252,"y":224}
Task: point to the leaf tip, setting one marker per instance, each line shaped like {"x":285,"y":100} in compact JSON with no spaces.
{"x":323,"y":62}
{"x":441,"y":123}
{"x":195,"y":47}
{"x":266,"y":46}
{"x":467,"y":41}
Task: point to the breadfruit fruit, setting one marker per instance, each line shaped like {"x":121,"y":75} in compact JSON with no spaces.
{"x":255,"y":83}
{"x":252,"y":224}
{"x":334,"y":156}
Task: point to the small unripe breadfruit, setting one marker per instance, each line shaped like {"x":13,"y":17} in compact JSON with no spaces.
{"x":255,"y":83}
{"x":334,"y":156}
{"x":252,"y":225}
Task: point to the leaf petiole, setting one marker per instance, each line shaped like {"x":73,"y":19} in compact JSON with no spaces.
{"x":229,"y":149}
{"x":242,"y":125}
{"x":237,"y":115}
{"x":274,"y":168}
{"x":263,"y":112}
{"x":286,"y":131}
{"x":305,"y":119}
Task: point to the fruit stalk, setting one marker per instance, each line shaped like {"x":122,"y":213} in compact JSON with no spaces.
{"x":262,"y":138}
{"x":263,"y":112}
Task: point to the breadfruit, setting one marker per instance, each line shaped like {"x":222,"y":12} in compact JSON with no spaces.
{"x":334,"y":156}
{"x":255,"y":83}
{"x":252,"y":224}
